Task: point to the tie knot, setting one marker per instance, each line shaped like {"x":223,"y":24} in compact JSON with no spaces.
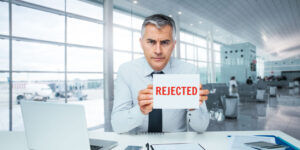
{"x":156,"y":72}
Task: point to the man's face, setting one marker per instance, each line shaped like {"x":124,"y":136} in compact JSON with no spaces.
{"x":158,"y":45}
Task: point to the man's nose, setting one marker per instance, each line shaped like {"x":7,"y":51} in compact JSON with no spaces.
{"x":157,"y":49}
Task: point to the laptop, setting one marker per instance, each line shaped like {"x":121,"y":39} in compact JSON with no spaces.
{"x":58,"y":126}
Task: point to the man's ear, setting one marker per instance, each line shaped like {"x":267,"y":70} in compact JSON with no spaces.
{"x":174,"y":44}
{"x":141,"y":41}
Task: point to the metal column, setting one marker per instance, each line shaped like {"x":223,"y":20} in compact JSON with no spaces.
{"x":66,"y":55}
{"x":10,"y":66}
{"x":177,"y":22}
{"x":108,"y":62}
{"x":213,"y":66}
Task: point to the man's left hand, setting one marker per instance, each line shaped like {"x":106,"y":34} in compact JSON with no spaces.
{"x":202,"y":96}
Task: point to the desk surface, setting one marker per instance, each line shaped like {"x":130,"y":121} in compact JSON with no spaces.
{"x":209,"y":140}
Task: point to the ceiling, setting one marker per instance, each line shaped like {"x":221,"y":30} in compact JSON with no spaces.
{"x":272,"y":25}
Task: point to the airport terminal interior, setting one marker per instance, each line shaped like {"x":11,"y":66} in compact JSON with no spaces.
{"x":69,"y":51}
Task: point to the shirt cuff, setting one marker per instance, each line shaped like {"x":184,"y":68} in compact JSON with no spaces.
{"x":139,"y":116}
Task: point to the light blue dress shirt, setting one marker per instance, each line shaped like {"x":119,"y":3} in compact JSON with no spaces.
{"x":135,"y":76}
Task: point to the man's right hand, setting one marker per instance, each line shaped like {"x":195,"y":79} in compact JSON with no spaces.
{"x":145,"y":99}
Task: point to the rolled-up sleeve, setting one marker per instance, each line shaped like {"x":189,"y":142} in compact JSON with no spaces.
{"x":199,"y":119}
{"x":125,"y":115}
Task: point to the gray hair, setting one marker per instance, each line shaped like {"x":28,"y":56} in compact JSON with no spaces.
{"x":159,"y":20}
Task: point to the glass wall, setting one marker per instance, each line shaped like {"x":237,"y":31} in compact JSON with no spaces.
{"x":127,"y":32}
{"x":4,"y":101}
{"x":44,"y":46}
{"x":217,"y":59}
{"x":193,"y":50}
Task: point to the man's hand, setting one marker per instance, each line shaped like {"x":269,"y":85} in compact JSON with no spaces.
{"x":145,"y":99}
{"x":202,"y":96}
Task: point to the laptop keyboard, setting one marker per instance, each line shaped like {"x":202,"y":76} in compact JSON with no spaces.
{"x":94,"y":147}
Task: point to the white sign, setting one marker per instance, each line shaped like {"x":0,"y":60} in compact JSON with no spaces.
{"x":176,"y":91}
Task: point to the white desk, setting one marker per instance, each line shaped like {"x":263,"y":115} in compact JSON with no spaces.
{"x":209,"y":140}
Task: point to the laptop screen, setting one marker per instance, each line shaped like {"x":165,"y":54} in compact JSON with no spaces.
{"x":58,"y":126}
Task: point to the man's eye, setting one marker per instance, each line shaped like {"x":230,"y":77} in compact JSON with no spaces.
{"x":151,"y":42}
{"x":165,"y":42}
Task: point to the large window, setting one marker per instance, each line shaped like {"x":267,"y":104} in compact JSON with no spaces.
{"x":4,"y":106}
{"x":41,"y":56}
{"x":203,"y":72}
{"x":31,"y":56}
{"x":85,"y":8}
{"x":122,"y":39}
{"x":57,"y":4}
{"x":202,"y":54}
{"x":34,"y":87}
{"x":4,"y":18}
{"x":217,"y":57}
{"x":127,"y":33}
{"x":84,"y":60}
{"x":84,"y":32}
{"x":193,"y":50}
{"x":217,"y":47}
{"x":218,"y":73}
{"x":37,"y":24}
{"x":4,"y":61}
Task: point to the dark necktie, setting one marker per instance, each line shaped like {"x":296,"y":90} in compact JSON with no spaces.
{"x":155,"y":116}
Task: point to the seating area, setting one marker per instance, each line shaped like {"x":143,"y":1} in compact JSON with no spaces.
{"x":219,"y":98}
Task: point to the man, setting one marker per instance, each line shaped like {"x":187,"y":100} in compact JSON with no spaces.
{"x":233,"y":86}
{"x":133,"y":104}
{"x":249,"y":81}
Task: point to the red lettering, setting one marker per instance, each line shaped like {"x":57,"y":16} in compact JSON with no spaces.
{"x":177,"y":91}
{"x":195,"y":91}
{"x":164,"y":90}
{"x":183,"y":90}
{"x":188,"y":90}
{"x":158,"y":90}
{"x":172,"y":90}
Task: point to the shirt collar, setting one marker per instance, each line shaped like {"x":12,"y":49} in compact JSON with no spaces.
{"x":148,"y":69}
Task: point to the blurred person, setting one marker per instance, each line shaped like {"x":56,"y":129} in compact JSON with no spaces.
{"x":249,"y":81}
{"x":233,"y":87}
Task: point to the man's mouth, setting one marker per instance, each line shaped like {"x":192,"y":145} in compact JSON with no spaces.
{"x":158,"y":58}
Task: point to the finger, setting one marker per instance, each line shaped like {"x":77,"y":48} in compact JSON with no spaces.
{"x":150,"y":86}
{"x":145,"y":97}
{"x":203,"y":92}
{"x":146,"y":91}
{"x":200,"y":86}
{"x":145,"y":102}
{"x":148,"y":107}
{"x":200,"y":102}
{"x":203,"y":98}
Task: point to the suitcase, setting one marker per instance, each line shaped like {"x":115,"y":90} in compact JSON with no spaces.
{"x":260,"y":95}
{"x":273,"y":91}
{"x":231,"y":107}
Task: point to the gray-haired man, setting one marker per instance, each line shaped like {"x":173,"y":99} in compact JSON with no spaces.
{"x":133,"y":104}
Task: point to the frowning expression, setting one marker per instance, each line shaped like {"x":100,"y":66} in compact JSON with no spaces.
{"x":158,"y":45}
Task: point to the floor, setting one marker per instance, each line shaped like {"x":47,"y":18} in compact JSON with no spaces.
{"x":277,"y":113}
